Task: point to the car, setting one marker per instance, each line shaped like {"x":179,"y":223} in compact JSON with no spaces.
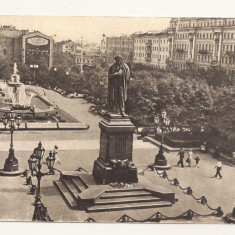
{"x":71,"y":96}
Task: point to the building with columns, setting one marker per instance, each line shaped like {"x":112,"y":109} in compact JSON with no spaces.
{"x":151,"y":48}
{"x":202,"y":43}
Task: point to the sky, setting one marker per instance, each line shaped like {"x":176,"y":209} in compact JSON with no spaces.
{"x":91,"y":28}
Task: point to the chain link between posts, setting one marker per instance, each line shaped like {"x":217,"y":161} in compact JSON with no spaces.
{"x":189,"y":191}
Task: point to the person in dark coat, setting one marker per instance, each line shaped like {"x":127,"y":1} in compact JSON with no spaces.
{"x":218,"y":169}
{"x":181,"y":161}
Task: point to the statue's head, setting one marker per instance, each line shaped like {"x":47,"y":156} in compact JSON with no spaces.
{"x":118,"y":59}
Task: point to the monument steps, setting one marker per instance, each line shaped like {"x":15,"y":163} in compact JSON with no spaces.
{"x":123,"y":190}
{"x":128,"y":206}
{"x":79,"y":184}
{"x":127,"y":200}
{"x":74,"y":191}
{"x":73,"y":187}
{"x":108,"y":195}
{"x":66,"y":194}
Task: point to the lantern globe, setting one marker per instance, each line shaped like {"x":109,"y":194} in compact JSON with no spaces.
{"x":50,"y":160}
{"x":39,"y":151}
{"x":32,"y":162}
{"x":156,"y":120}
{"x":163,"y":114}
{"x":11,"y":122}
{"x":4,"y":120}
{"x":18,"y":120}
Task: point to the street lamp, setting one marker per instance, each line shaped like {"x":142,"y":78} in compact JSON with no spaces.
{"x":11,"y":163}
{"x":34,"y":67}
{"x":34,"y":162}
{"x":81,"y":55}
{"x":162,"y":121}
{"x":101,"y":90}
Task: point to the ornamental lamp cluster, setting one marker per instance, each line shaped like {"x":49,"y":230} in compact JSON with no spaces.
{"x":37,"y":156}
{"x":163,"y":118}
{"x":11,"y":119}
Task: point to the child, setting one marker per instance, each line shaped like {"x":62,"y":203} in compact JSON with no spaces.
{"x":197,"y":159}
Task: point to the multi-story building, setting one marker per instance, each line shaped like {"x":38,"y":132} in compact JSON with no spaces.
{"x":151,"y":48}
{"x":24,"y":46}
{"x":123,"y":45}
{"x":202,"y":43}
{"x":74,"y":48}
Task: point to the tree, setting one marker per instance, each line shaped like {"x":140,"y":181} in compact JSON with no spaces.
{"x":63,"y":60}
{"x":6,"y":69}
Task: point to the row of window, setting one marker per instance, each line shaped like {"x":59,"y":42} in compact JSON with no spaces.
{"x":204,"y":36}
{"x":153,"y":48}
{"x":206,"y":58}
{"x":153,"y":56}
{"x":150,"y":41}
{"x":206,"y":24}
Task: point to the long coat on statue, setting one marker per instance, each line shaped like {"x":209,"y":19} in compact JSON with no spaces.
{"x":117,"y":86}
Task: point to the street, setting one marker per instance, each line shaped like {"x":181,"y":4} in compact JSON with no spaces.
{"x":81,"y":148}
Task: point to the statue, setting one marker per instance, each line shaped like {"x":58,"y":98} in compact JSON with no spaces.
{"x":118,"y":78}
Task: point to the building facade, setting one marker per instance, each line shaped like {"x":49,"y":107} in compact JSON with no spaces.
{"x":82,"y":53}
{"x":123,"y":46}
{"x":25,"y":47}
{"x":151,"y":49}
{"x":206,"y":43}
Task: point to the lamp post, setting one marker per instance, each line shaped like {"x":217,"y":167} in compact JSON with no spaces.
{"x":81,"y":55}
{"x":101,"y":90}
{"x":11,"y":163}
{"x":40,"y":211}
{"x":34,"y":67}
{"x":162,"y":121}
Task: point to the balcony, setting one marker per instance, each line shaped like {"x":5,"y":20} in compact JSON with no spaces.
{"x":180,"y":50}
{"x":148,"y":59}
{"x":190,"y":61}
{"x":168,"y":60}
{"x":230,"y":53}
{"x":148,"y":50}
{"x":148,"y":44}
{"x":203,"y":52}
{"x":215,"y":63}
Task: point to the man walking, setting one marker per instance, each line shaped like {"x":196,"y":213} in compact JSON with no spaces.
{"x":218,"y":169}
{"x":181,"y":154}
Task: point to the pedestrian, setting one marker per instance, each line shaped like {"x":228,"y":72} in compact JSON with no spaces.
{"x":190,"y":157}
{"x":181,"y":154}
{"x":218,"y":169}
{"x":197,"y":159}
{"x":56,"y":154}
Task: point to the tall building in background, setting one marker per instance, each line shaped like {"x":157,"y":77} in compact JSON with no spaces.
{"x":25,"y":47}
{"x":202,"y":43}
{"x":123,"y":45}
{"x":151,"y":48}
{"x":75,"y":49}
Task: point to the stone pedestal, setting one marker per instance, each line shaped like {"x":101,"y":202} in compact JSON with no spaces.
{"x":11,"y":163}
{"x":116,"y":143}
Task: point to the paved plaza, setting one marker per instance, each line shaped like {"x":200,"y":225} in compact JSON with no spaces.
{"x":81,"y":148}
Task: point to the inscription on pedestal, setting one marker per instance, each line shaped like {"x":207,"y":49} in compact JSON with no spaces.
{"x":120,"y":149}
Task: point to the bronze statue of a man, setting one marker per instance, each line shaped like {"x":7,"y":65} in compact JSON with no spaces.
{"x":118,"y":78}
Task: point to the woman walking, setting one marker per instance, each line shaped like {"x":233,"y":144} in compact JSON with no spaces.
{"x":190,"y":157}
{"x":56,"y":154}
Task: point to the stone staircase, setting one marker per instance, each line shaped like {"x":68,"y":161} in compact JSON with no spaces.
{"x":82,"y":192}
